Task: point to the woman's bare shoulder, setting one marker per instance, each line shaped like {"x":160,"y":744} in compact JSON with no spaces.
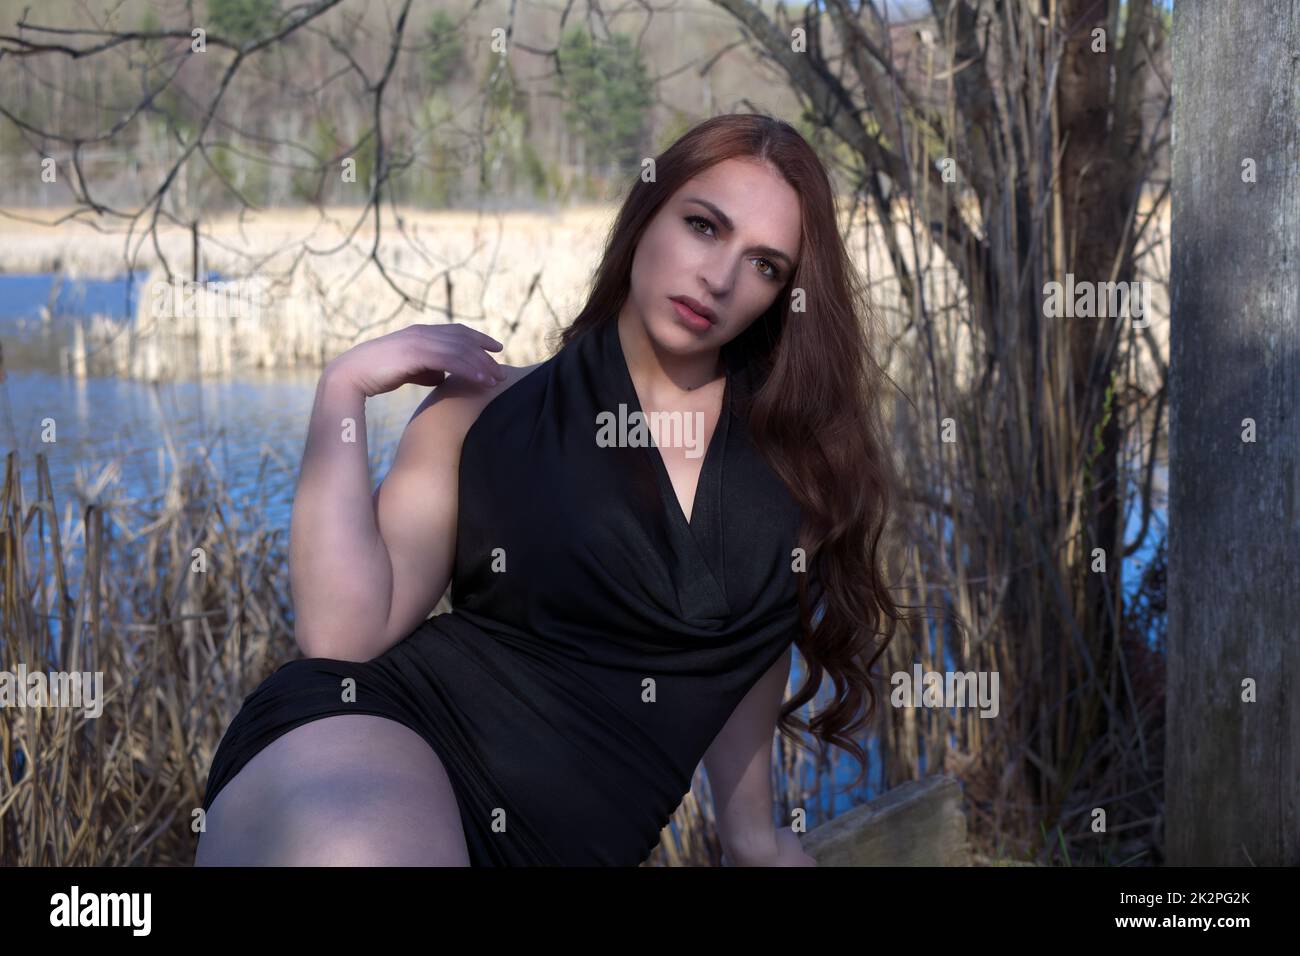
{"x":452,"y":407}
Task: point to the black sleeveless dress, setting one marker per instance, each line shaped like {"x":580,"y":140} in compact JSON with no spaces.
{"x":598,"y":641}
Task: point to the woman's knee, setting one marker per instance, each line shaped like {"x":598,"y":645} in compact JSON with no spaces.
{"x":368,"y":819}
{"x":355,"y":790}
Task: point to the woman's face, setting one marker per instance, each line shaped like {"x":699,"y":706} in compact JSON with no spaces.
{"x":729,"y":240}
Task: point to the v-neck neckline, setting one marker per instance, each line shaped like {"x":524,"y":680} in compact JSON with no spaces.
{"x":707,"y":466}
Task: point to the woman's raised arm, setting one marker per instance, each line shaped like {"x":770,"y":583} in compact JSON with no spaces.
{"x":364,"y":566}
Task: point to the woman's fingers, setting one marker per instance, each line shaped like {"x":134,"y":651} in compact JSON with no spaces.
{"x":468,"y":361}
{"x":459,"y":350}
{"x":485,"y":341}
{"x":480,"y":339}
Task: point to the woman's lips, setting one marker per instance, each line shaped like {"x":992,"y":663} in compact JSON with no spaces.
{"x":690,"y":317}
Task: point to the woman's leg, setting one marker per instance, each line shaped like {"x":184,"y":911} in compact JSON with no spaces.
{"x":344,"y":790}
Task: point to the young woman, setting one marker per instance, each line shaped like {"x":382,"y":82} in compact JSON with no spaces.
{"x":623,"y":610}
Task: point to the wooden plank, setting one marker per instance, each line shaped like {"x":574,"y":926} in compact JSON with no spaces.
{"x":919,"y":823}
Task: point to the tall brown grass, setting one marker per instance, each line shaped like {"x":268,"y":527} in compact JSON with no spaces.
{"x":183,"y":608}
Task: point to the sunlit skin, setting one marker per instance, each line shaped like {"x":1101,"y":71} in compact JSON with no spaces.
{"x":728,"y":238}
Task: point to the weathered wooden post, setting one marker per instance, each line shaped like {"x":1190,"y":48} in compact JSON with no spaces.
{"x":1232,"y":759}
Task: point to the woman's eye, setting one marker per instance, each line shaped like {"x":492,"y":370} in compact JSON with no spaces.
{"x":692,"y":220}
{"x":772,"y":271}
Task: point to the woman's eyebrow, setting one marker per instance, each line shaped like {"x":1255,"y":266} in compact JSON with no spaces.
{"x":728,"y":224}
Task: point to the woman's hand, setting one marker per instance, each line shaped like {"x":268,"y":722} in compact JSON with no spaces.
{"x":790,"y":851}
{"x":781,"y":848}
{"x":420,"y":354}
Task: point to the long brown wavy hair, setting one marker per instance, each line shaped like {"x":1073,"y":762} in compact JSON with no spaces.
{"x":813,"y":414}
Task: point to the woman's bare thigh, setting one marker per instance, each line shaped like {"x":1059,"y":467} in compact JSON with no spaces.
{"x":344,"y":790}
